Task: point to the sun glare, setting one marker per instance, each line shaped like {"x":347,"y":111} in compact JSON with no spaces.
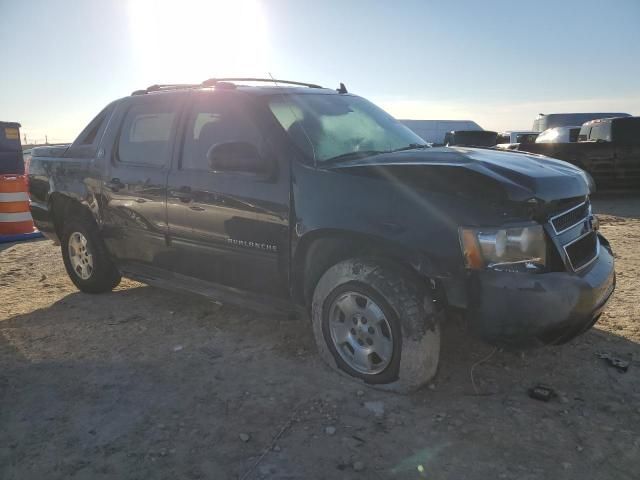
{"x":191,"y":40}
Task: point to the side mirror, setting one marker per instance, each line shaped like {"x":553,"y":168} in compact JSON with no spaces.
{"x":237,"y":157}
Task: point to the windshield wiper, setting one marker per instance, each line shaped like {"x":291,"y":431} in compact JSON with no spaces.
{"x":371,"y":153}
{"x":354,"y":155}
{"x":411,"y":146}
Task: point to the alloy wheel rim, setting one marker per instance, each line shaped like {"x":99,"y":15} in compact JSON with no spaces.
{"x":361,"y":333}
{"x":80,"y":256}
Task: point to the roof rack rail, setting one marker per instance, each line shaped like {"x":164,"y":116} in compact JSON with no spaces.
{"x":213,"y":81}
{"x":162,"y":87}
{"x":221,"y":82}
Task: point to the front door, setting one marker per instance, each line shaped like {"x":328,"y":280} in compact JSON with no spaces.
{"x":228,"y":227}
{"x":134,"y":187}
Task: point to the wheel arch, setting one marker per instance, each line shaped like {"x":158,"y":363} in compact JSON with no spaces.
{"x":64,"y":207}
{"x":319,"y":250}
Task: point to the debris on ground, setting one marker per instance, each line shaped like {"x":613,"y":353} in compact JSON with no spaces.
{"x":621,"y":365}
{"x":330,"y":430}
{"x":245,"y":437}
{"x":542,"y":392}
{"x":358,"y":466}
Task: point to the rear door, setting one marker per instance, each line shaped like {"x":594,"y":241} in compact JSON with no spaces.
{"x":228,"y":227}
{"x":134,"y":184}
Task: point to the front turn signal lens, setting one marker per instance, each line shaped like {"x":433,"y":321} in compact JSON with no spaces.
{"x":471,"y":249}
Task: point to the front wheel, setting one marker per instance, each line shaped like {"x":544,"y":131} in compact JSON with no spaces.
{"x":377,"y":322}
{"x":86,"y":259}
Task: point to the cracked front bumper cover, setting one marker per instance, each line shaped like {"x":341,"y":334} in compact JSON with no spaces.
{"x":521,"y":310}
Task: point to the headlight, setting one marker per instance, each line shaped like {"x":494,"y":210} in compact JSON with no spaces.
{"x":512,"y":249}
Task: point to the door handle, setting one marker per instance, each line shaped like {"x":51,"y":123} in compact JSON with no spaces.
{"x":115,"y":184}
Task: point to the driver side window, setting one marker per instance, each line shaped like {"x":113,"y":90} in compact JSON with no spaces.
{"x":214,"y":121}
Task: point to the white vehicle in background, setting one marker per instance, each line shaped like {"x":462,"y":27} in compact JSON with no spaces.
{"x":434,"y":131}
{"x":550,"y":120}
{"x":559,"y":135}
{"x":517,"y":136}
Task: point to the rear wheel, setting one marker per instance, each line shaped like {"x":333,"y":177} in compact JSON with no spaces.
{"x":86,"y":259}
{"x":378,"y":323}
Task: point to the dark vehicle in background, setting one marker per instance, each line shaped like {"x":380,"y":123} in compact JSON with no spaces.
{"x":300,"y":197}
{"x":550,"y":120}
{"x":568,"y":134}
{"x":433,"y":131}
{"x":11,"y":160}
{"x":515,"y":136}
{"x":609,"y":149}
{"x":471,"y":138}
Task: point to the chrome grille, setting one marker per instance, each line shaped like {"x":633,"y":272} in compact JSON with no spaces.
{"x":570,"y":218}
{"x":582,"y":247}
{"x":583,"y":250}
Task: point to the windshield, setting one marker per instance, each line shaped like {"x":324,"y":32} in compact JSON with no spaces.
{"x":332,"y":127}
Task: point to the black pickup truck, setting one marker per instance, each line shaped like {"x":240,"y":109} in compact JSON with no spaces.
{"x":295,"y":196}
{"x":608,"y":148}
{"x":471,"y":138}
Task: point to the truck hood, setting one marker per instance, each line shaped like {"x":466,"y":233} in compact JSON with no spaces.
{"x":514,"y":175}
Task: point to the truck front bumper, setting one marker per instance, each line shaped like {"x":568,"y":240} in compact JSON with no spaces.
{"x":521,"y":310}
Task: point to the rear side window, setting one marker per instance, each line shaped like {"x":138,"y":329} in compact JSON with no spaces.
{"x":146,"y":134}
{"x":573,"y":134}
{"x":211,"y":122}
{"x":90,"y":133}
{"x":600,"y":132}
{"x":583,"y":136}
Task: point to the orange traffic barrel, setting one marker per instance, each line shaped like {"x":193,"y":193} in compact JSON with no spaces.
{"x":15,"y":216}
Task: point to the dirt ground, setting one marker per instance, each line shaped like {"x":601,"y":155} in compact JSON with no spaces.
{"x":145,"y":384}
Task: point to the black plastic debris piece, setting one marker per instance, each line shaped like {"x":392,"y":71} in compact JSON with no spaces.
{"x":621,"y":365}
{"x":542,"y":392}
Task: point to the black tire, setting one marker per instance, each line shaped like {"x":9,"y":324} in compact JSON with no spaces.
{"x":408,"y":307}
{"x":104,"y":275}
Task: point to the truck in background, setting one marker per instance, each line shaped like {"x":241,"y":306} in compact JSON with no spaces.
{"x":471,"y":138}
{"x":567,"y":134}
{"x":517,"y":136}
{"x":607,"y":148}
{"x":550,"y":120}
{"x":434,"y":131}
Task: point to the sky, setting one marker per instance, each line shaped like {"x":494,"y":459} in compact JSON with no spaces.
{"x":498,"y":63}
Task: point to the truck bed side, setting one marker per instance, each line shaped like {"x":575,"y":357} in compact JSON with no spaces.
{"x":613,"y":167}
{"x":53,"y":175}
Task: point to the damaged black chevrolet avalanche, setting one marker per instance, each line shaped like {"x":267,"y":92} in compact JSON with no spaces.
{"x":277,"y":194}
